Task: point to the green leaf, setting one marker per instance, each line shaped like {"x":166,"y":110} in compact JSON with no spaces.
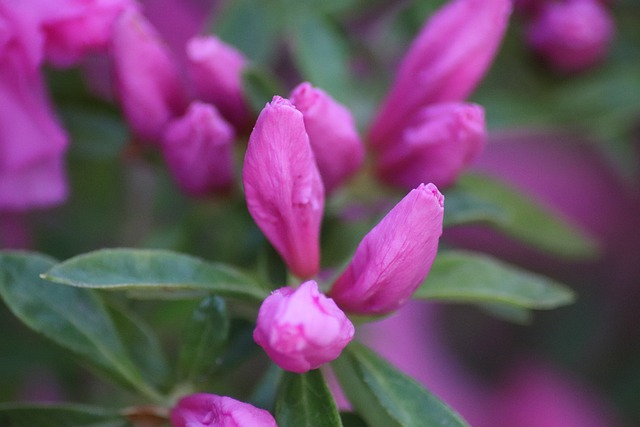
{"x":463,"y":207}
{"x":265,"y":391}
{"x":460,"y":276}
{"x":204,"y":339}
{"x":384,"y":396}
{"x":525,"y":220}
{"x":155,"y":271}
{"x":350,"y":419}
{"x":260,"y":87}
{"x":304,"y":400}
{"x":76,"y":319}
{"x":58,"y":416}
{"x":510,"y":313}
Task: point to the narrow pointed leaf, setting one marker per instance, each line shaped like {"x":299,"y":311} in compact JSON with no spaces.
{"x":466,"y":277}
{"x":155,"y":271}
{"x":385,"y":397}
{"x":304,"y":400}
{"x":58,"y":416}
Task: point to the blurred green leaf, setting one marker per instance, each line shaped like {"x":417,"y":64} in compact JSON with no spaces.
{"x":525,"y":220}
{"x":204,"y":338}
{"x":465,"y":208}
{"x":384,"y":396}
{"x":350,"y":419}
{"x":76,"y":319}
{"x":96,"y":134}
{"x":459,"y":276}
{"x":510,"y":313}
{"x":22,"y":415}
{"x":156,"y":271}
{"x":304,"y":400}
{"x":260,"y":87}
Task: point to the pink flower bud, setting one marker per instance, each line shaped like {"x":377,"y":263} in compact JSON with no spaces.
{"x":444,"y":140}
{"x":332,"y":132}
{"x":198,"y":149}
{"x":302,"y":329}
{"x":572,"y":35}
{"x":283,"y":187}
{"x":210,"y":410}
{"x":394,"y":257}
{"x":216,"y":71}
{"x":444,"y":63}
{"x":146,"y":78}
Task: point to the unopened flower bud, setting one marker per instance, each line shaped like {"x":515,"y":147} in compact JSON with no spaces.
{"x":283,"y":187}
{"x":395,"y":257}
{"x":210,"y":410}
{"x":302,"y":329}
{"x":332,"y":132}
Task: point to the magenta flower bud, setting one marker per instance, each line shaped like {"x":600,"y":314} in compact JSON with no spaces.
{"x":394,"y":257}
{"x":198,"y":149}
{"x":573,"y":35}
{"x":444,"y":140}
{"x":210,"y":410}
{"x":444,"y":63}
{"x":283,"y":187}
{"x":216,"y":70}
{"x":146,"y":78}
{"x":332,"y":132}
{"x":302,"y":329}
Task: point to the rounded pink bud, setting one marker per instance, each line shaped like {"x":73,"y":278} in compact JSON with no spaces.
{"x":302,"y":329}
{"x":332,"y":132}
{"x":284,"y":191}
{"x":572,"y":35}
{"x":198,"y":149}
{"x":443,"y":141}
{"x":210,"y":410}
{"x":395,"y":257}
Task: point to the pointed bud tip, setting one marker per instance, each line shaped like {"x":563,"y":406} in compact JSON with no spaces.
{"x":432,"y":191}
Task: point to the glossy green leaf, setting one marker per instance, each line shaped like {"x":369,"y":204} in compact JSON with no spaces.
{"x":304,"y":400}
{"x":460,"y":276}
{"x":204,"y":339}
{"x":525,"y":220}
{"x":23,"y":415}
{"x":76,"y":319}
{"x":384,"y":396}
{"x":160,"y":271}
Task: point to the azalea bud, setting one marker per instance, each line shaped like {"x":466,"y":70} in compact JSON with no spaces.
{"x":146,"y":78}
{"x":283,"y":187}
{"x":332,"y":132}
{"x":302,"y":329}
{"x":216,"y":71}
{"x":444,"y":140}
{"x":198,"y":149}
{"x":394,"y":257}
{"x":210,"y":410}
{"x":572,"y":35}
{"x":444,"y":63}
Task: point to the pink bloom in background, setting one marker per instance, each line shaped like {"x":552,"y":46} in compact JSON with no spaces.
{"x":443,"y":141}
{"x":332,"y":132}
{"x":572,"y":35}
{"x":215,"y":69}
{"x":284,"y":191}
{"x":302,"y":329}
{"x":198,"y":149}
{"x":444,"y":63}
{"x":210,"y":410}
{"x":394,"y":257}
{"x":147,"y":79}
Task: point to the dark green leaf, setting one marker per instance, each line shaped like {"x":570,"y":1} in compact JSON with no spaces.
{"x":260,"y":87}
{"x":350,"y":419}
{"x":510,"y":313}
{"x":463,"y":208}
{"x":204,"y":339}
{"x":156,"y":271}
{"x":304,"y":400}
{"x":460,"y":276}
{"x":385,"y":397}
{"x":58,"y":416}
{"x":264,"y":393}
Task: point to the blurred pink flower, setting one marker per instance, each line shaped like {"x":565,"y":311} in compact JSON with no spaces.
{"x":210,"y":410}
{"x":302,"y":329}
{"x":332,"y":133}
{"x":283,"y":188}
{"x":394,"y":257}
{"x":198,"y":148}
{"x":572,"y":35}
{"x":444,"y":139}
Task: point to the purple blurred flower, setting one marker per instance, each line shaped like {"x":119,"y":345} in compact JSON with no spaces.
{"x":302,"y":329}
{"x":332,"y":133}
{"x":210,"y":410}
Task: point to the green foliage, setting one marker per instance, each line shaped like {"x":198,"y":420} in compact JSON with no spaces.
{"x":59,"y":416}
